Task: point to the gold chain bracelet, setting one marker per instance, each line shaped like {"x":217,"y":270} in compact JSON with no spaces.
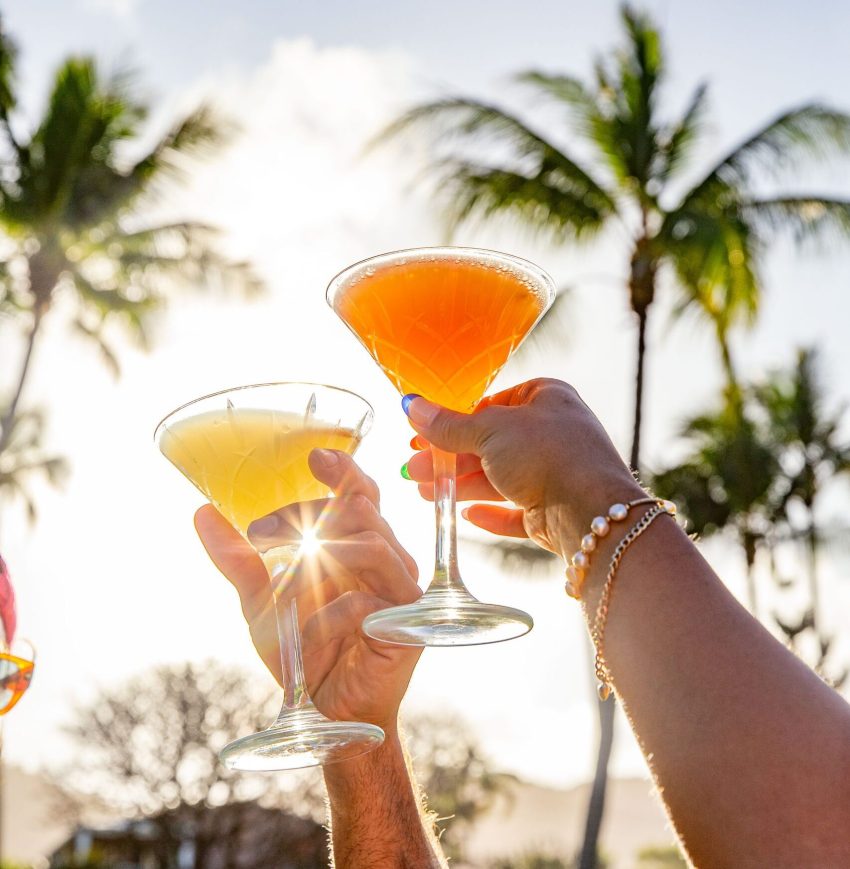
{"x":597,"y":632}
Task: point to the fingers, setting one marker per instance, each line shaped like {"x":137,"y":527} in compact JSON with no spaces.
{"x":505,"y":521}
{"x":473,"y":487}
{"x":235,"y":558}
{"x":365,"y":561}
{"x":342,"y":475}
{"x":420,"y":468}
{"x":355,"y":509}
{"x":446,"y":429}
{"x":332,"y":519}
{"x":339,"y":619}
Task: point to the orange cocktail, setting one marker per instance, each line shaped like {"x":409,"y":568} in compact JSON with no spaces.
{"x":442,"y":327}
{"x":441,"y":322}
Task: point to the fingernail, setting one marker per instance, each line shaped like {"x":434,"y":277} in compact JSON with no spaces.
{"x":422,"y":411}
{"x":326,"y":458}
{"x":404,"y":471}
{"x":406,"y":399}
{"x":465,"y":512}
{"x":264,"y":527}
{"x":414,"y":443}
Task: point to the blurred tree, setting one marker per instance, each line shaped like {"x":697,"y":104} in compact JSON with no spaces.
{"x":149,"y":748}
{"x":453,"y":774}
{"x":755,"y":467}
{"x":708,"y":237}
{"x":75,"y":193}
{"x":24,"y":460}
{"x":730,"y":480}
{"x":806,"y":433}
{"x":814,"y":453}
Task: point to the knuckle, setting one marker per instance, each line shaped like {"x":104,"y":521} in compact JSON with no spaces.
{"x":360,"y":505}
{"x":372,"y":541}
{"x":373,"y":493}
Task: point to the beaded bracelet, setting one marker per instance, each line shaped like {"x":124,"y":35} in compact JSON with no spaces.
{"x":579,"y":563}
{"x":600,"y":527}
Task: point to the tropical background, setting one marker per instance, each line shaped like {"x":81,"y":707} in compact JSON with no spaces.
{"x":178,"y":185}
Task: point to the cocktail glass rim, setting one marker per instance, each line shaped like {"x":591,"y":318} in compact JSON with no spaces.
{"x":439,"y":251}
{"x":245,"y":386}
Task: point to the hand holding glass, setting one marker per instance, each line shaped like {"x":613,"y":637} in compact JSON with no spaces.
{"x":441,"y":322}
{"x":246,"y":449}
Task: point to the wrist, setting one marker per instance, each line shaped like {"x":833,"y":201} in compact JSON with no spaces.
{"x":347,"y":776}
{"x":571,"y":512}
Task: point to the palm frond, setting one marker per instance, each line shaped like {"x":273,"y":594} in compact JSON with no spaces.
{"x":464,"y":123}
{"x":24,"y":459}
{"x":810,"y":131}
{"x":679,"y":139}
{"x":625,"y":126}
{"x":567,"y":91}
{"x":714,"y":251}
{"x":102,"y":303}
{"x":806,"y":218}
{"x":94,"y":334}
{"x":544,"y":204}
{"x":197,"y":134}
{"x":8,"y":60}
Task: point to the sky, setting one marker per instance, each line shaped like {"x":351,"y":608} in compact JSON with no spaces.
{"x":112,"y":578}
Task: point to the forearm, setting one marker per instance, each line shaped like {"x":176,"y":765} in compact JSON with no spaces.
{"x":377,"y":818}
{"x":750,"y":749}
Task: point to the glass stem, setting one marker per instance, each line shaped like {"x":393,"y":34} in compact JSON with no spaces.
{"x":446,"y":573}
{"x":295,"y":696}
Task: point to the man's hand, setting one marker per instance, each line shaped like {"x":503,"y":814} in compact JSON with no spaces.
{"x":359,"y":568}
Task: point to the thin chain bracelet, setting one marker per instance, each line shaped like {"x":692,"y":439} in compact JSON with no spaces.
{"x":597,"y":632}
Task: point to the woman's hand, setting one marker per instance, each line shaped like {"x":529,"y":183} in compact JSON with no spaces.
{"x":360,"y":568}
{"x":538,"y":445}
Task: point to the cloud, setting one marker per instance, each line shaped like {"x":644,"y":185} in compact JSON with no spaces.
{"x":296,"y":183}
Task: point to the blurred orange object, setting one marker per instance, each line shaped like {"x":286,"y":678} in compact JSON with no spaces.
{"x":15,"y":677}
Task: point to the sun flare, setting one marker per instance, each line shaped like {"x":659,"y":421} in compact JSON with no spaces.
{"x":310,"y":543}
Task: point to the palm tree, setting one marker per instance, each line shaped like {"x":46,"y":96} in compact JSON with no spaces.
{"x":707,"y":239}
{"x":72,"y":219}
{"x":730,"y":480}
{"x":24,"y":460}
{"x":808,"y":436}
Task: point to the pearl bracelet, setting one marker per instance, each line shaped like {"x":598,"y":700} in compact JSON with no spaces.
{"x":599,"y":528}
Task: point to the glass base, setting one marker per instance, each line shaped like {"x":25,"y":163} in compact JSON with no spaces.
{"x":301,"y":738}
{"x":447,"y":618}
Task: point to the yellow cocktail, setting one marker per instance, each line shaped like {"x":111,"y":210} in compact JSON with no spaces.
{"x":250,"y":462}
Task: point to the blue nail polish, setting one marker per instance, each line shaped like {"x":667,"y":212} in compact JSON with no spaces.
{"x":405,"y":401}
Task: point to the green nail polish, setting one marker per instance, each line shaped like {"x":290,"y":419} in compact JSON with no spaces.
{"x":404,"y":471}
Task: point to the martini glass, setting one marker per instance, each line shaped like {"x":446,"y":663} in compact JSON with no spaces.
{"x":246,"y":449}
{"x":441,"y":322}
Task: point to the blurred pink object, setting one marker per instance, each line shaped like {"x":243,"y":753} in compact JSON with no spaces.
{"x":8,"y":617}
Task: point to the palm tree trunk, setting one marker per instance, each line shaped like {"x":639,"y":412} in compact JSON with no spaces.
{"x":813,"y":542}
{"x":733,"y":387}
{"x":6,"y":424}
{"x":750,"y":553}
{"x":634,"y":456}
{"x":589,"y":855}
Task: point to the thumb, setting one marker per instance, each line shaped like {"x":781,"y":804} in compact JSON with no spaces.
{"x":446,"y":429}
